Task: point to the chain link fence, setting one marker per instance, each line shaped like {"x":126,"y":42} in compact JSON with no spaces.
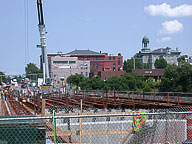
{"x":94,"y":125}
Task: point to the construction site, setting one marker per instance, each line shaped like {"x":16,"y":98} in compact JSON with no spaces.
{"x":95,"y":117}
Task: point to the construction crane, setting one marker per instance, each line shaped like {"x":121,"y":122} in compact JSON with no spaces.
{"x":42,"y":31}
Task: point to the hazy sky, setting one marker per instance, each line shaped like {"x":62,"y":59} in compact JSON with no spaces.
{"x":111,"y":26}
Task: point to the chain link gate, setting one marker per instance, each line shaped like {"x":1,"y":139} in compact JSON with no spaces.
{"x":98,"y":126}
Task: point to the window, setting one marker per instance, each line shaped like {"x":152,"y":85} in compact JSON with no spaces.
{"x":113,"y":58}
{"x":119,"y":61}
{"x":96,"y":65}
{"x":109,"y":58}
{"x":81,"y":73}
{"x":60,"y":61}
{"x":92,"y":58}
{"x":82,"y":58}
{"x":119,"y":68}
{"x":96,"y":58}
{"x":114,"y":67}
{"x":86,"y":74}
{"x":92,"y":65}
{"x":71,"y":62}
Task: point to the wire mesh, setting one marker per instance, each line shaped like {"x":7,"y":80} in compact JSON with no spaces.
{"x":92,"y":123}
{"x":98,"y":126}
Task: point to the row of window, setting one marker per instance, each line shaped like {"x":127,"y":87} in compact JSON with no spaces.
{"x":65,"y":62}
{"x":167,"y":58}
{"x":85,"y":58}
{"x":96,"y":58}
{"x":96,"y":65}
{"x":111,"y":58}
{"x":86,"y":74}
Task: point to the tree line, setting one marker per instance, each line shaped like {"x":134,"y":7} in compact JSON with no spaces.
{"x":127,"y":81}
{"x":176,"y":78}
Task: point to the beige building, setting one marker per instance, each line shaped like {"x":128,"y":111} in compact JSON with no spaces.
{"x":62,"y":66}
{"x":149,"y":57}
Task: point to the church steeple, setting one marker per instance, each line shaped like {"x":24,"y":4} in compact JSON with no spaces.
{"x":145,"y":43}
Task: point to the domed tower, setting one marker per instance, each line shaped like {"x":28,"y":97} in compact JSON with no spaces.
{"x":145,"y":43}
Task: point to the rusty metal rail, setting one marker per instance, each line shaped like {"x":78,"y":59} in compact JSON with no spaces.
{"x":17,"y":108}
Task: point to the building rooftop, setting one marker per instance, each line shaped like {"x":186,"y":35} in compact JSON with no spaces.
{"x":145,"y":39}
{"x":84,"y":52}
{"x":148,"y":72}
{"x":165,"y":50}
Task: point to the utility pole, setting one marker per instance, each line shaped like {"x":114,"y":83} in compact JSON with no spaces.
{"x":42,"y":31}
{"x":133,"y":62}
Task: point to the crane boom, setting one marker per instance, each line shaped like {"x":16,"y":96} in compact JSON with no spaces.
{"x":42,"y":31}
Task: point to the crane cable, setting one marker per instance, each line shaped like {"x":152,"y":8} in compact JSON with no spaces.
{"x":26,"y":32}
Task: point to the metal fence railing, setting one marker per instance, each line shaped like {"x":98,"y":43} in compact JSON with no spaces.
{"x":78,"y":125}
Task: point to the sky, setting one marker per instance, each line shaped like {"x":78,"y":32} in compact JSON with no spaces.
{"x":112,"y":26}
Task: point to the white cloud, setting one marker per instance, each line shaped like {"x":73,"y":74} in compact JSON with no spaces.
{"x":166,"y":10}
{"x":170,"y":27}
{"x":165,"y":39}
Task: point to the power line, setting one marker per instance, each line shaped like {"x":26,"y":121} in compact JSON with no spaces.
{"x":26,"y":32}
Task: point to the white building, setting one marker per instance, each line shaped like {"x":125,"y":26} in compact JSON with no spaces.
{"x":62,"y":66}
{"x":149,"y":57}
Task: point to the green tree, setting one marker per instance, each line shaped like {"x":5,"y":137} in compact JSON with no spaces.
{"x":125,"y":65}
{"x":93,"y":70}
{"x":85,"y":84}
{"x":76,"y":79}
{"x":150,"y":84}
{"x":128,"y":81}
{"x":32,"y":69}
{"x":96,"y":83}
{"x":185,"y":77}
{"x":177,"y":78}
{"x":134,"y":61}
{"x":160,"y":63}
{"x":2,"y":77}
{"x":131,"y":81}
{"x":181,"y":59}
{"x":113,"y":82}
{"x":169,"y":78}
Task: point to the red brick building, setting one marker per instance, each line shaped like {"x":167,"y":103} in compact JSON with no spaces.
{"x":104,"y":75}
{"x":99,"y":61}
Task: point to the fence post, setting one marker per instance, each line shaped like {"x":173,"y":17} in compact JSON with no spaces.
{"x":168,"y":98}
{"x":114,"y":93}
{"x":178,"y":99}
{"x":43,"y":108}
{"x":80,"y":124}
{"x":132,"y":95}
{"x":127,"y":94}
{"x":140,"y":96}
{"x":38,"y":104}
{"x":85,"y":95}
{"x":108,"y":93}
{"x":154,"y":93}
{"x":1,"y":106}
{"x":34,"y":103}
{"x":103,"y":91}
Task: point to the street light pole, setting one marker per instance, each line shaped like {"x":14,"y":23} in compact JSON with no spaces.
{"x":62,"y":80}
{"x":133,"y":62}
